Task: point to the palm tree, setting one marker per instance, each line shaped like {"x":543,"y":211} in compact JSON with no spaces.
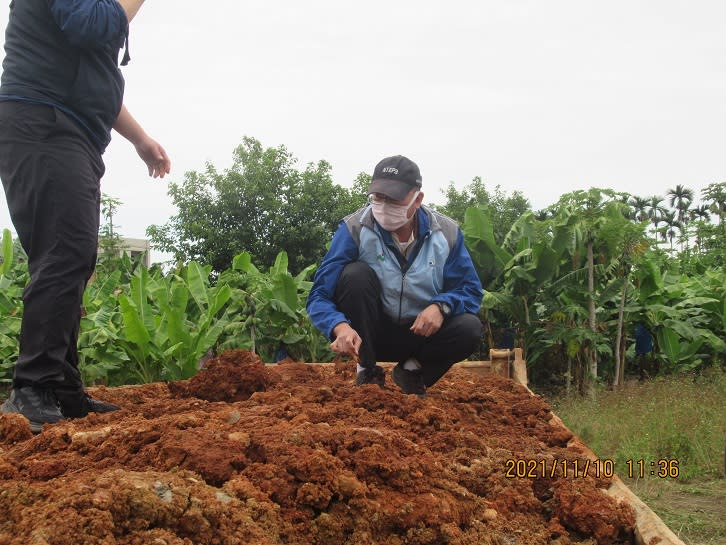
{"x":702,"y":213}
{"x":671,"y":224}
{"x":543,"y":215}
{"x":681,"y":199}
{"x":655,"y":213}
{"x":639,"y":207}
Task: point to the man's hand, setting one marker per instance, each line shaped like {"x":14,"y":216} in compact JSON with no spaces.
{"x":150,"y":151}
{"x":428,"y":322}
{"x":154,"y":156}
{"x":347,"y":341}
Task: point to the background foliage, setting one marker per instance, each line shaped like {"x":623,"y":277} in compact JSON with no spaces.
{"x":261,"y":205}
{"x":568,"y":284}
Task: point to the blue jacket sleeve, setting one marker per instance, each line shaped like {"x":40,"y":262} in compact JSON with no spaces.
{"x":462,"y":288}
{"x":320,"y":305}
{"x":90,"y":24}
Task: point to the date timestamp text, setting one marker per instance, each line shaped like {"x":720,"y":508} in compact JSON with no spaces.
{"x":577,"y":468}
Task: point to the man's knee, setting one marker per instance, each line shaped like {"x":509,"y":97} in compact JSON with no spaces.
{"x":357,"y":272}
{"x":470,"y":329}
{"x":358,"y":278}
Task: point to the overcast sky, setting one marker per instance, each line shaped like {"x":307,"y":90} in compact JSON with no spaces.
{"x":544,"y":97}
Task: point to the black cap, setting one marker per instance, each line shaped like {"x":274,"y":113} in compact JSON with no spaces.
{"x":395,"y":177}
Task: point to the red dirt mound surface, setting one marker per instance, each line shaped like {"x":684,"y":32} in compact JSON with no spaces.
{"x":295,"y":454}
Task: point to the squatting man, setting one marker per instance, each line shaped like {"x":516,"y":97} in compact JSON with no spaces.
{"x":398,"y":284}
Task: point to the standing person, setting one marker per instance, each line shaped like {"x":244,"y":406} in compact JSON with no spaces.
{"x":643,"y":347}
{"x":398,"y":284}
{"x":61,"y":93}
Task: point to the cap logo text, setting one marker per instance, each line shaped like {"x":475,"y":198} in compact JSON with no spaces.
{"x":390,"y":170}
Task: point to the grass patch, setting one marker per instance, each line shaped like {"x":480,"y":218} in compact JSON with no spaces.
{"x":678,"y":418}
{"x":695,"y":511}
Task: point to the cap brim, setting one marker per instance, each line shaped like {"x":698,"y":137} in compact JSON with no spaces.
{"x":393,"y":189}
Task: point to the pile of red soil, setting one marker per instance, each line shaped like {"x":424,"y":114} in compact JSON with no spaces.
{"x":295,"y":454}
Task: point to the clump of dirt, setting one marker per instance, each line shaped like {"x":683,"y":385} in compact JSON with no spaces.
{"x":233,"y":376}
{"x":296,"y":454}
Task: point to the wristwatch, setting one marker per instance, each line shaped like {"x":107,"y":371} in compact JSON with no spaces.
{"x":444,"y":308}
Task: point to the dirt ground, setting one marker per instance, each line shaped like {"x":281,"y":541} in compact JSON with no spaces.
{"x":295,"y":454}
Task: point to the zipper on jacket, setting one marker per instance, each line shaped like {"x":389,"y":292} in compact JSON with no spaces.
{"x":393,"y":249}
{"x":400,"y":295}
{"x":417,"y":250}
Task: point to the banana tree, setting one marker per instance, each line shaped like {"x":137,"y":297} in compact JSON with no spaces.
{"x":170,"y":322}
{"x":99,"y":354}
{"x":686,"y":314}
{"x":268,"y":311}
{"x":13,"y":278}
{"x":602,"y":219}
{"x":625,"y":242}
{"x":515,"y":274}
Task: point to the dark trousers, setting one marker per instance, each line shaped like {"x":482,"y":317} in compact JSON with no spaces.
{"x":358,"y":296}
{"x":51,"y":174}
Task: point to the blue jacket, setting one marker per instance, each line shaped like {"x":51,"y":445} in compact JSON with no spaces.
{"x":64,"y":53}
{"x":438,"y":269}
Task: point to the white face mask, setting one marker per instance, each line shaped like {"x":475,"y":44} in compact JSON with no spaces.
{"x":392,"y":216}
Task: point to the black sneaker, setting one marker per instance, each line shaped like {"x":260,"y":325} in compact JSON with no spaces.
{"x":76,"y":403}
{"x":411,"y":382}
{"x":371,"y":375}
{"x":38,"y":405}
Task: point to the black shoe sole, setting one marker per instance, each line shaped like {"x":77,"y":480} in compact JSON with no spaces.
{"x":378,"y":379}
{"x":396,"y":374}
{"x":9,"y":408}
